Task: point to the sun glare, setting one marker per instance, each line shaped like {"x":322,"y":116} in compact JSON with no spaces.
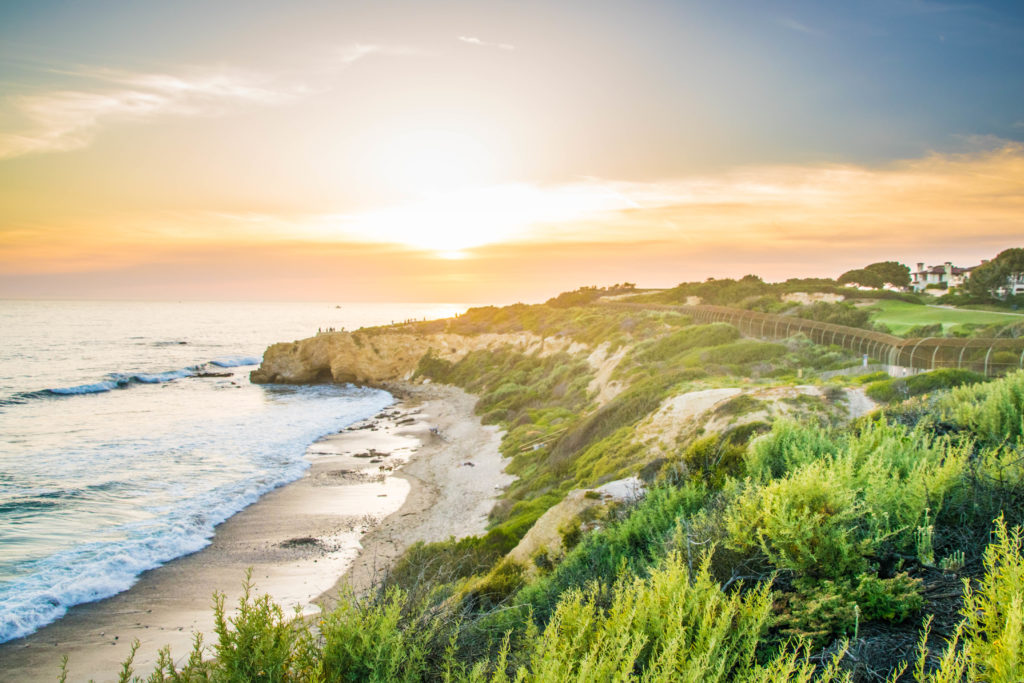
{"x":449,"y":223}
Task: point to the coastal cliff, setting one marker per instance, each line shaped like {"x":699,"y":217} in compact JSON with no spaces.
{"x":369,"y":359}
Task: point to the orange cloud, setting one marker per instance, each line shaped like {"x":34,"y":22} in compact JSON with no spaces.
{"x":778,"y":222}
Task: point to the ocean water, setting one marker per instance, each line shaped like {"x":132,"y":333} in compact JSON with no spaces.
{"x":115,"y":456}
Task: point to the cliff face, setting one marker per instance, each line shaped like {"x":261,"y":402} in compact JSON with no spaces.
{"x":374,"y":358}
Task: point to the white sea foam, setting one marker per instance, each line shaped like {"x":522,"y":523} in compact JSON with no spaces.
{"x":235,"y":361}
{"x":184,"y":511}
{"x":97,"y":484}
{"x":93,"y":388}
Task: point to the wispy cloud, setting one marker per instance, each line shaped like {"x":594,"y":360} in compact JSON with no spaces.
{"x":350,"y":54}
{"x":63,"y":120}
{"x":794,"y":25}
{"x":472,"y":40}
{"x":68,"y":119}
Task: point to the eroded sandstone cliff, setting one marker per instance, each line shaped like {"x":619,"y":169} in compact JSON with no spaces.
{"x":370,"y":359}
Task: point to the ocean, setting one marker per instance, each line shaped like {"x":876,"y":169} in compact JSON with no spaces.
{"x":117,"y":454}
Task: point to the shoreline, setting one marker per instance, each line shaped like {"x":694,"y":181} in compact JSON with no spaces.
{"x":372,"y":490}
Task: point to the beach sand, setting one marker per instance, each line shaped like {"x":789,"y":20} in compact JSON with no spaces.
{"x":424,"y":469}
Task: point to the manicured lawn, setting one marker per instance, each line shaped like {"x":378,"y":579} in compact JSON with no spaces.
{"x":900,"y":316}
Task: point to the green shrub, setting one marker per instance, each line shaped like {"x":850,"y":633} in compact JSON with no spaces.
{"x":843,"y":313}
{"x":374,"y":641}
{"x":712,"y":458}
{"x":635,"y":542}
{"x":923,"y":331}
{"x":743,"y":352}
{"x":257,"y":643}
{"x":988,"y":645}
{"x":739,"y":405}
{"x":669,"y":627}
{"x":429,"y":564}
{"x":871,"y":377}
{"x":898,"y":389}
{"x":673,"y":345}
{"x":993,"y":412}
{"x":821,"y":610}
{"x":788,"y":446}
{"x":826,"y":517}
{"x":496,"y":587}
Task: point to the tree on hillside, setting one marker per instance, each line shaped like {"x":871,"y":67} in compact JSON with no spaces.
{"x":989,"y":278}
{"x":1011,"y":262}
{"x":891,"y":272}
{"x":862,"y":277}
{"x":985,"y":280}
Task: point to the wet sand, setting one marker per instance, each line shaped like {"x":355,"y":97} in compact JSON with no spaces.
{"x":423,"y":469}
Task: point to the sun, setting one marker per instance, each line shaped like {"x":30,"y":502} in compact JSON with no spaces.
{"x":450,"y":223}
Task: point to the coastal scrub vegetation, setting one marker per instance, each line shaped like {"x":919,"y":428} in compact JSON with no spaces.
{"x":831,"y":548}
{"x":883,"y":548}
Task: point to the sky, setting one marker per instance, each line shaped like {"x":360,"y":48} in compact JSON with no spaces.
{"x":498,"y":151}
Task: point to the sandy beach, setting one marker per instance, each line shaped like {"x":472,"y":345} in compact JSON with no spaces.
{"x":423,"y":469}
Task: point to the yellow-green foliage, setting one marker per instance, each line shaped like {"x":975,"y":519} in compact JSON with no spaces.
{"x":610,"y":458}
{"x":819,"y":510}
{"x":587,"y":324}
{"x":993,"y":411}
{"x":364,"y":641}
{"x":674,"y":345}
{"x":828,"y":516}
{"x":898,"y":389}
{"x":989,"y":643}
{"x":669,"y":627}
{"x":787,"y":447}
{"x":817,"y":610}
{"x":633,"y":544}
{"x":806,"y":522}
{"x":744,"y":351}
{"x":497,"y":586}
{"x":257,"y":644}
{"x":711,"y":458}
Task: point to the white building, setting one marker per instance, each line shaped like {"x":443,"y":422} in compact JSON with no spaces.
{"x":1014,"y":284}
{"x":946,"y":276}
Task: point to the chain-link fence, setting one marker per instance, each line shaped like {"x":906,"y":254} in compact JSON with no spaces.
{"x":986,"y":356}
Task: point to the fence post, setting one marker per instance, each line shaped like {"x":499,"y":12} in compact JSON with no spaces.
{"x":987,"y":354}
{"x":914,"y":350}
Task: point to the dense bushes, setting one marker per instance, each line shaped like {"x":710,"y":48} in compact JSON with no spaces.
{"x":632,"y":544}
{"x":988,"y":645}
{"x":993,"y":412}
{"x":744,"y":352}
{"x":672,"y":346}
{"x":750,"y":289}
{"x":674,"y":623}
{"x":843,"y":313}
{"x":586,"y":324}
{"x":898,"y":389}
